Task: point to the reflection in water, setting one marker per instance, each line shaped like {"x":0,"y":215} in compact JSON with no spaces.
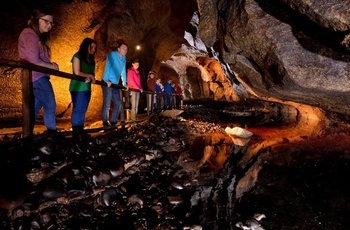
{"x":262,"y":113}
{"x":266,"y":125}
{"x":285,"y":167}
{"x":240,"y":141}
{"x":211,"y":149}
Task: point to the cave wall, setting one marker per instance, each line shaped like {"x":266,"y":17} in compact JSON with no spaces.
{"x":291,"y":50}
{"x":286,"y":50}
{"x":159,"y":33}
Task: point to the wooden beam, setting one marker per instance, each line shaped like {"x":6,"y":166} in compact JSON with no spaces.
{"x":27,"y":103}
{"x":28,"y":96}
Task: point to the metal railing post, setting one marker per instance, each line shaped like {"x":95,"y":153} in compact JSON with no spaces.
{"x":122,"y":111}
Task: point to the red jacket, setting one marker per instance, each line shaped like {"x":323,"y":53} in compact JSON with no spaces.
{"x":178,"y":90}
{"x":151,"y":84}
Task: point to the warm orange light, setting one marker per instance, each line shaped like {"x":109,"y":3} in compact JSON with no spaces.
{"x":138,"y":47}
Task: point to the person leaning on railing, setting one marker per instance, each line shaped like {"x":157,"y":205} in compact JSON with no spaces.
{"x":33,"y":47}
{"x":115,"y":69}
{"x":83,"y":65}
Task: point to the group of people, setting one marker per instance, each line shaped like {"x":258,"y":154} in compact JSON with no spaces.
{"x":33,"y":47}
{"x":172,"y":95}
{"x":167,"y":96}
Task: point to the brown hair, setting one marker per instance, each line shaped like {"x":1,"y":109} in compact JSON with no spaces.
{"x":33,"y":23}
{"x":121,"y":42}
{"x":134,"y":60}
{"x":114,"y":45}
{"x":84,"y":50}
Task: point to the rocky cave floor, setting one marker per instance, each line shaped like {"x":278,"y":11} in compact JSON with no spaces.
{"x":144,"y":177}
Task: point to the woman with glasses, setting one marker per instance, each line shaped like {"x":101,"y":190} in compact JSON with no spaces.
{"x":33,"y":47}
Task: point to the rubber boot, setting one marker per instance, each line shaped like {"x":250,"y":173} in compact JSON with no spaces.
{"x":51,"y":131}
{"x":55,"y":134}
{"x":77,"y":130}
{"x":106,"y":124}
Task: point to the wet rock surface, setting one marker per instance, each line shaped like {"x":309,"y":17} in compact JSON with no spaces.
{"x":176,"y":173}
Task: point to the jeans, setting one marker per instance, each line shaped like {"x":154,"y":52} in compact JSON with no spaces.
{"x":168,"y":101}
{"x":135,"y":98}
{"x":178,"y":101}
{"x":150,"y":104}
{"x":80,"y":101}
{"x":159,"y":102}
{"x":110,"y":95}
{"x":45,"y":97}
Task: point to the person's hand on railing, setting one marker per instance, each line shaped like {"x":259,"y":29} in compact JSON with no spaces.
{"x":90,"y":78}
{"x":93,"y":79}
{"x":54,"y":66}
{"x":126,"y":88}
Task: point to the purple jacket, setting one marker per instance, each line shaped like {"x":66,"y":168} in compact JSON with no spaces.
{"x":29,"y":50}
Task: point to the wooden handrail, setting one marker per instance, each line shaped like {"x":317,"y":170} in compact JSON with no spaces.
{"x":30,"y":66}
{"x":27,"y":91}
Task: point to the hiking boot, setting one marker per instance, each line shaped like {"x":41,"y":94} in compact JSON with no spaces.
{"x":57,"y":136}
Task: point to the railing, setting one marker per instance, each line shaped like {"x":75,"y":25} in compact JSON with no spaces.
{"x":27,"y":91}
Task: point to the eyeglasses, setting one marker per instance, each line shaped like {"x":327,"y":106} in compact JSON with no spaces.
{"x":47,"y":21}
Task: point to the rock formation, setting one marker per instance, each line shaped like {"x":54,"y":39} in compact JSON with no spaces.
{"x":286,"y":51}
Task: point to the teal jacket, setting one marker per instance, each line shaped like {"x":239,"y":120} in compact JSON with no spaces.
{"x":115,"y":68}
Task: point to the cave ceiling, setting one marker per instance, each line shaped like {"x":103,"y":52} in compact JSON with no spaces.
{"x":286,"y":50}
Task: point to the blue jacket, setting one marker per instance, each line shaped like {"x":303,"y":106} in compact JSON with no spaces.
{"x":158,"y":89}
{"x":114,"y":68}
{"x":167,"y":88}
